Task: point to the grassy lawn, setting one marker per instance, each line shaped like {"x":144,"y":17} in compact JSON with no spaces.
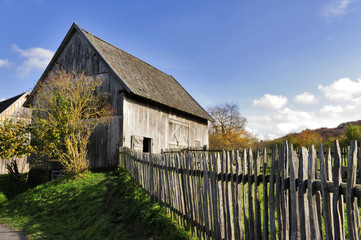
{"x":93,"y":206}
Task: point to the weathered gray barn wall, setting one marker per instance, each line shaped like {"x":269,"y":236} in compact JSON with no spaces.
{"x":22,"y":163}
{"x":166,"y":130}
{"x":3,"y":169}
{"x":79,"y":55}
{"x":16,"y":111}
{"x":103,"y":149}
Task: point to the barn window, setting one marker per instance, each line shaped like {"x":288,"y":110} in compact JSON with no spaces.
{"x":147,"y":145}
{"x":143,"y":144}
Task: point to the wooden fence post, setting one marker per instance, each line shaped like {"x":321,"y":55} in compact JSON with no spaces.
{"x":215,"y":195}
{"x":284,"y":201}
{"x":221,"y":215}
{"x":294,"y":207}
{"x":206,"y":194}
{"x":250,"y":194}
{"x":238,"y":210}
{"x":274,"y":167}
{"x":257,"y":198}
{"x":233,"y":200}
{"x":247,"y":228}
{"x":265,"y":195}
{"x":227,"y":197}
{"x":351,"y":204}
{"x":337,"y":201}
{"x":329,"y":179}
{"x":279,"y":193}
{"x":326,"y":204}
{"x":305,"y":231}
{"x":315,"y":227}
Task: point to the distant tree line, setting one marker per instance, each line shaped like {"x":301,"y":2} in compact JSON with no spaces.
{"x":227,"y":131}
{"x":311,"y":137}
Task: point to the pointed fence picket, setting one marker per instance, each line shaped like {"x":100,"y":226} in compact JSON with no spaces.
{"x":256,"y":194}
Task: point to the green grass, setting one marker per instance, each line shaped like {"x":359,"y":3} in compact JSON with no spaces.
{"x":93,"y":206}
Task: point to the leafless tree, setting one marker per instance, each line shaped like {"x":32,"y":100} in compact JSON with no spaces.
{"x":227,"y":130}
{"x":226,"y":117}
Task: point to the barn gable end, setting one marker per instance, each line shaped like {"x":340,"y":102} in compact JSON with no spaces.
{"x":151,"y":110}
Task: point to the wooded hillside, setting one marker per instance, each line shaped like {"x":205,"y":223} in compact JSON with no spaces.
{"x":321,"y":135}
{"x":334,"y":132}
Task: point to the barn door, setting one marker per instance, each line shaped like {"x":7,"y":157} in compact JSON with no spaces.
{"x":178,"y":134}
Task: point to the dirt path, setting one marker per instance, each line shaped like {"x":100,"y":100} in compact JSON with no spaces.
{"x":7,"y":233}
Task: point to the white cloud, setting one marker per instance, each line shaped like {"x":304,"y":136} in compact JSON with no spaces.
{"x":343,"y":89}
{"x":292,"y":115}
{"x":271,"y":101}
{"x":35,"y":58}
{"x":341,"y":103}
{"x":336,"y":8}
{"x":4,"y":62}
{"x":332,"y":110}
{"x":353,"y":105}
{"x":280,"y":122}
{"x":305,"y":97}
{"x":2,"y":99}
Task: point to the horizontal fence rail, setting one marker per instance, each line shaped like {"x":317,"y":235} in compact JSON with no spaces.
{"x":255,"y":194}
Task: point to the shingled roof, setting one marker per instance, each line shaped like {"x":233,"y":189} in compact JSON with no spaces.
{"x":140,"y":78}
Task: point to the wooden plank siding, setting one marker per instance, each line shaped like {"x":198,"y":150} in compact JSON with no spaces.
{"x":16,"y":111}
{"x":153,"y":122}
{"x":218,"y":194}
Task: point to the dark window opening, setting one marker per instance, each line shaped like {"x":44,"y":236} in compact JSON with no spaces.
{"x":147,"y":145}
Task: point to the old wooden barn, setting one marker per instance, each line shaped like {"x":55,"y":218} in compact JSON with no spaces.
{"x":12,"y":108}
{"x":152,"y":110}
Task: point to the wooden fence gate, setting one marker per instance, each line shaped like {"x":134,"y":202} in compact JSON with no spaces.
{"x":250,"y":194}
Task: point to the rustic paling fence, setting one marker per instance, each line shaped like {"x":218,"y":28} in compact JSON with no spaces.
{"x":251,"y":195}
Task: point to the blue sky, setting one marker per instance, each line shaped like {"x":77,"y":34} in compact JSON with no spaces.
{"x":289,"y":65}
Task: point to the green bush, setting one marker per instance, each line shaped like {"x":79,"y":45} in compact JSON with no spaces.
{"x":2,"y":198}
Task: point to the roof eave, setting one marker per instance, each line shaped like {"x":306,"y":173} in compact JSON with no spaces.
{"x":206,"y":113}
